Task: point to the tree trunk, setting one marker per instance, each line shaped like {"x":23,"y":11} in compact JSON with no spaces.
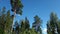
{"x":13,"y":20}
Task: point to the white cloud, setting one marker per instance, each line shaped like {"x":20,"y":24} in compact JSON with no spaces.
{"x":44,"y":30}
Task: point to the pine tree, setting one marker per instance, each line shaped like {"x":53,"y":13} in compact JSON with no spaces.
{"x":37,"y":24}
{"x":5,"y":21}
{"x":1,"y":27}
{"x":53,"y":21}
{"x":58,"y":27}
{"x":27,"y":25}
{"x":52,"y":25}
{"x":32,"y":31}
{"x":2,"y":20}
{"x":8,"y":23}
{"x":16,"y":7}
{"x":16,"y":29}
{"x":48,"y":28}
{"x":22,"y":26}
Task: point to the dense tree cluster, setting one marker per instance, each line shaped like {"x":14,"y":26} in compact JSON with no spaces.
{"x":53,"y":25}
{"x":6,"y":21}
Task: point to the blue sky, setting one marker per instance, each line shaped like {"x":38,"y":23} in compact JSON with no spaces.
{"x":42,"y":8}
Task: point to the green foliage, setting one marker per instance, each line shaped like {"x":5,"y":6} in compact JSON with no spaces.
{"x":58,"y":27}
{"x":48,"y":28}
{"x":16,"y":5}
{"x":5,"y":21}
{"x":8,"y":22}
{"x":22,"y":25}
{"x":24,"y":28}
{"x":2,"y":21}
{"x":27,"y":25}
{"x":53,"y":24}
{"x":31,"y":31}
{"x":53,"y":21}
{"x":37,"y":24}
